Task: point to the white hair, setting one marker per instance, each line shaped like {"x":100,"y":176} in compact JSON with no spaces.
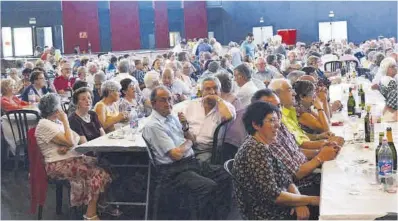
{"x":150,"y":77}
{"x":385,"y":64}
{"x":91,"y":64}
{"x":123,"y":66}
{"x":276,"y":84}
{"x":109,"y":86}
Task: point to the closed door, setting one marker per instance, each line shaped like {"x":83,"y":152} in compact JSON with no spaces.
{"x":333,"y":31}
{"x":261,"y":34}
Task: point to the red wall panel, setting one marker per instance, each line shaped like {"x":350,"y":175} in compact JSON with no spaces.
{"x":125,"y":25}
{"x":161,"y":24}
{"x":80,"y":17}
{"x":195,"y":19}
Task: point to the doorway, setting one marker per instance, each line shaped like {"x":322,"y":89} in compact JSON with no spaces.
{"x":333,"y":31}
{"x":175,"y":38}
{"x":261,"y":34}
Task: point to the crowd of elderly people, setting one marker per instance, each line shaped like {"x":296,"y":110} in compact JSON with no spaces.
{"x":276,"y":99}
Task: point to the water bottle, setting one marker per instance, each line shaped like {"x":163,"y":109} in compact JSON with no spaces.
{"x":31,"y":97}
{"x":385,"y":164}
{"x":133,"y":122}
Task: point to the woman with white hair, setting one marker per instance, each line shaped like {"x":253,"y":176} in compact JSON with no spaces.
{"x":56,"y":140}
{"x":388,"y":86}
{"x":92,"y":70}
{"x":8,"y":99}
{"x":107,"y":108}
{"x":151,"y":80}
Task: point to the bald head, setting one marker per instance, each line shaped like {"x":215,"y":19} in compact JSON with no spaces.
{"x":307,"y":78}
{"x":168,"y":77}
{"x":284,"y":90}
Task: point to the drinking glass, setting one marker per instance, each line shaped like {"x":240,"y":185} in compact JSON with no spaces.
{"x":391,"y":182}
{"x":354,"y":127}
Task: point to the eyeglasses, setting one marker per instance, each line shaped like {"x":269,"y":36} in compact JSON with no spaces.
{"x":273,"y":121}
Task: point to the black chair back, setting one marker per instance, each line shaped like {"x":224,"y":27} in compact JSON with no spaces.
{"x":21,"y":123}
{"x":151,"y":155}
{"x":218,"y":142}
{"x":332,"y":66}
{"x":228,"y":166}
{"x":366,"y":72}
{"x":65,"y":106}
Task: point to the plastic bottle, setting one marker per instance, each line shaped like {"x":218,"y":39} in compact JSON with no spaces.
{"x":133,"y":121}
{"x":31,"y":97}
{"x":385,"y":164}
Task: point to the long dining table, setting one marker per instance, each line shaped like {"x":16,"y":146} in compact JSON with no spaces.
{"x":349,"y":190}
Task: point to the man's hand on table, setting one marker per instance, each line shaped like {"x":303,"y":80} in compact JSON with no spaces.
{"x":324,"y":135}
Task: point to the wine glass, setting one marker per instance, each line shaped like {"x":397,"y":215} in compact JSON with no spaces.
{"x":353,"y":122}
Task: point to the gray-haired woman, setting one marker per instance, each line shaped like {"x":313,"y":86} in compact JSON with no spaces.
{"x":55,"y":140}
{"x":107,"y":109}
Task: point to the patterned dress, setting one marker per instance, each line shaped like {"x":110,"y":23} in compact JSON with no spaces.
{"x":300,"y":109}
{"x":260,"y":179}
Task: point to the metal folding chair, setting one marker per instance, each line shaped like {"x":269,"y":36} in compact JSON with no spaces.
{"x":218,"y":142}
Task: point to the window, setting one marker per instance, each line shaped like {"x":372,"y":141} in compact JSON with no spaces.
{"x":23,"y":41}
{"x":7,"y":41}
{"x":210,"y":34}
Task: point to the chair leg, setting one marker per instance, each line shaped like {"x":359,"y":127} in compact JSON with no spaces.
{"x":40,"y":213}
{"x":58,"y":198}
{"x":17,"y":157}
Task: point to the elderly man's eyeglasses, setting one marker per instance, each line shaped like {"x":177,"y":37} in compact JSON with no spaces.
{"x":273,"y":121}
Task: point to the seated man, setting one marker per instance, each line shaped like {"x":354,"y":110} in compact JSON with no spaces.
{"x":178,"y":88}
{"x":172,"y":142}
{"x":286,"y":95}
{"x":63,"y":83}
{"x":205,"y":114}
{"x":247,"y":88}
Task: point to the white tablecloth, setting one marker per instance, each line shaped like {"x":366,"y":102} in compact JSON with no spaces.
{"x":336,"y":200}
{"x":106,"y":144}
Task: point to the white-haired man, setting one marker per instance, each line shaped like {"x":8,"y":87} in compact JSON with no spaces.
{"x":123,"y":68}
{"x":205,"y":114}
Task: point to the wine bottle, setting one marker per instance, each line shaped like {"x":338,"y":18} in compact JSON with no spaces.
{"x":361,"y":94}
{"x":351,"y":104}
{"x":392,"y":147}
{"x":367,"y":126}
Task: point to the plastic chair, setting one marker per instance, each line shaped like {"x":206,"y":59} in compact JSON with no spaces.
{"x":218,"y":142}
{"x":20,"y":134}
{"x":332,"y":66}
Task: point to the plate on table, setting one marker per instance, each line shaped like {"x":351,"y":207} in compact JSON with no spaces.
{"x":115,"y":136}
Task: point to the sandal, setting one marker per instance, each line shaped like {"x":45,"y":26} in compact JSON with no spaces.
{"x":91,"y":218}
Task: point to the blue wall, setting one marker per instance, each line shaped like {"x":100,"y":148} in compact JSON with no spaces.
{"x":104,"y":26}
{"x":365,"y":20}
{"x":147,"y":24}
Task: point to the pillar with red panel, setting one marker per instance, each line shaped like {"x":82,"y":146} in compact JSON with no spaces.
{"x":289,"y":36}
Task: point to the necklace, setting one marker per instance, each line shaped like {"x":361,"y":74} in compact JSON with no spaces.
{"x":86,"y":118}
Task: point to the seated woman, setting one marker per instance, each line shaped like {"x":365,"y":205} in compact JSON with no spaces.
{"x":107,"y":109}
{"x":267,"y":192}
{"x":151,"y":80}
{"x":55,"y":140}
{"x":38,"y":86}
{"x":128,"y":91}
{"x":8,"y":99}
{"x":310,"y":122}
{"x":157,"y":65}
{"x":84,"y":121}
{"x":388,"y":88}
{"x":226,"y":87}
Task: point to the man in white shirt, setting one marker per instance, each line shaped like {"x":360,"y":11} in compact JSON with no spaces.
{"x":205,"y":114}
{"x":235,"y":53}
{"x":124,"y":67}
{"x":243,"y":75}
{"x":178,"y":88}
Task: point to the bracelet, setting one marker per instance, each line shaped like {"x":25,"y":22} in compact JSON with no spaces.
{"x":318,"y":159}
